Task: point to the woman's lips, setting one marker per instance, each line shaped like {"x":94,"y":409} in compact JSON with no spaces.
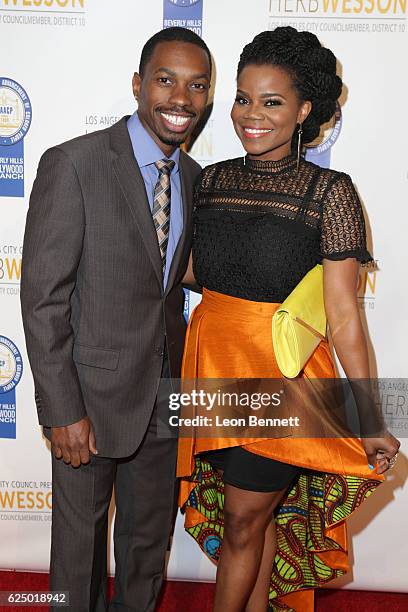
{"x":252,"y":132}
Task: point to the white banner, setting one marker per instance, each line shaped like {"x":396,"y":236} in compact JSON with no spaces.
{"x":66,"y":70}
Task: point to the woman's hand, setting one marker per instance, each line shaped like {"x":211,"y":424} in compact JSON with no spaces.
{"x":381,"y":451}
{"x":340,"y":295}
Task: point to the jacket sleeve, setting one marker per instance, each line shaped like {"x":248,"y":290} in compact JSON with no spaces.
{"x":52,"y":249}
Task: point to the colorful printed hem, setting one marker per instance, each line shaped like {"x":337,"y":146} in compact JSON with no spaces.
{"x":314,"y":505}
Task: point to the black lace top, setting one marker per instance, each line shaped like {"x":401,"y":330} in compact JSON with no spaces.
{"x":261,"y":225}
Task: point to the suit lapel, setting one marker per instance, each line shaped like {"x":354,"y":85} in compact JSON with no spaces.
{"x":133,"y":188}
{"x":187,"y":202}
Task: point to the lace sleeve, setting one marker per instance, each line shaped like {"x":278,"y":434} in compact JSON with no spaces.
{"x":343,"y":227}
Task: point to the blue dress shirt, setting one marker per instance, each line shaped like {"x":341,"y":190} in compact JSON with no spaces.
{"x":147,"y":152}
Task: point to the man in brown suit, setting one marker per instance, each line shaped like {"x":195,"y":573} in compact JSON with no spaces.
{"x":106,"y":245}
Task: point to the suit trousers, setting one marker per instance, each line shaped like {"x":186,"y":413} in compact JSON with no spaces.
{"x":145,"y":495}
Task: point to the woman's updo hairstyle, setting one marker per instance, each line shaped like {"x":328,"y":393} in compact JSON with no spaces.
{"x":311,"y":66}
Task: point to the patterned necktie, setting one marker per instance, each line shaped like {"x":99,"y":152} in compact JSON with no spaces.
{"x":161,"y":206}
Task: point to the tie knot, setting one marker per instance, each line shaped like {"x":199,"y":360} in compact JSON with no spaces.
{"x":165,"y":166}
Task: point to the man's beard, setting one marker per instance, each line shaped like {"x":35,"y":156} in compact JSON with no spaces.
{"x":173,"y":140}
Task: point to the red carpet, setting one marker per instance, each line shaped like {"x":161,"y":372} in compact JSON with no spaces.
{"x":197,"y":597}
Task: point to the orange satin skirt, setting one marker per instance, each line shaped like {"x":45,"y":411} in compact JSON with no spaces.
{"x":231,"y":337}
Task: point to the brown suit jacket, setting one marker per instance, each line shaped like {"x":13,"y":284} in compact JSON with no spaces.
{"x":95,"y":315}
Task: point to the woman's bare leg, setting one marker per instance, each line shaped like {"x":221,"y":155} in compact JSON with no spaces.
{"x":259,"y":598}
{"x":247,"y":515}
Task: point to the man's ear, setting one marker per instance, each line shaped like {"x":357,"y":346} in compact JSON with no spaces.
{"x":136,"y":84}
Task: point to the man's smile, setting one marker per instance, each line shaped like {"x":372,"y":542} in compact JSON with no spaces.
{"x":176,"y":122}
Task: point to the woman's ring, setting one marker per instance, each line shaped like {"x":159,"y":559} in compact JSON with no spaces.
{"x":392,"y":460}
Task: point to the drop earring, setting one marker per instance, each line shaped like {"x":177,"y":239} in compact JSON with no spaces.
{"x":299,"y":146}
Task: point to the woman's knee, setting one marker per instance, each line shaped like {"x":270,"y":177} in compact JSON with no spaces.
{"x":241,"y":526}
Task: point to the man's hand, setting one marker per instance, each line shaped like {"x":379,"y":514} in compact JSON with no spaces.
{"x":74,"y":442}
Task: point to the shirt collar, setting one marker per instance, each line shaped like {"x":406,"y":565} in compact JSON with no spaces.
{"x":145,"y":150}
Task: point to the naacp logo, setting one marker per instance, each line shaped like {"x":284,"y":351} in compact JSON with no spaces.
{"x":331,"y":132}
{"x":184,"y":2}
{"x":11,"y":365}
{"x":15,"y":112}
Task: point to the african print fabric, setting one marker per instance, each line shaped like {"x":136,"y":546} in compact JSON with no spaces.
{"x":303,"y":519}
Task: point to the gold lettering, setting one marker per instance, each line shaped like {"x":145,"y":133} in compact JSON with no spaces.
{"x":49,"y":3}
{"x":26,"y":500}
{"x":6,"y":499}
{"x":48,"y":499}
{"x":346,"y":9}
{"x":370,"y":7}
{"x":402,"y":5}
{"x":40,"y":501}
{"x":20,"y":500}
{"x":327,"y":3}
{"x":371,"y":281}
{"x":13,"y":270}
{"x":384,"y":9}
{"x":359,"y":7}
{"x":30,"y":500}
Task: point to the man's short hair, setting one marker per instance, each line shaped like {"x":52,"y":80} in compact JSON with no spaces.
{"x":170,"y":35}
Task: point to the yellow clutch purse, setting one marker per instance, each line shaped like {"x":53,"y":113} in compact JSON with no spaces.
{"x":300,"y":324}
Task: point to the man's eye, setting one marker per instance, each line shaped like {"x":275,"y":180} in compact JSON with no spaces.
{"x":164,"y":80}
{"x":241,"y":100}
{"x":273,"y":103}
{"x":199,"y":86}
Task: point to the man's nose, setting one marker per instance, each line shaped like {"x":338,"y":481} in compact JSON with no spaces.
{"x":180,"y":95}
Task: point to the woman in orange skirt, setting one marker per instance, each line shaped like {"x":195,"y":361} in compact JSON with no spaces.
{"x":271,"y":512}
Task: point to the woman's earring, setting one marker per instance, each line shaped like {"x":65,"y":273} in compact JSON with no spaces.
{"x":299,"y":146}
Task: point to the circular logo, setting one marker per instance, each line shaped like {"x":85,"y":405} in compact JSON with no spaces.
{"x":11,"y":365}
{"x":329,"y":133}
{"x":184,"y":2}
{"x":15,"y":112}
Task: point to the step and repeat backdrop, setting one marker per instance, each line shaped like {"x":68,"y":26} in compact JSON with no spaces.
{"x":66,"y":70}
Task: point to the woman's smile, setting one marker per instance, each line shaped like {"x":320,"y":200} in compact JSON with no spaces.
{"x":254,"y":132}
